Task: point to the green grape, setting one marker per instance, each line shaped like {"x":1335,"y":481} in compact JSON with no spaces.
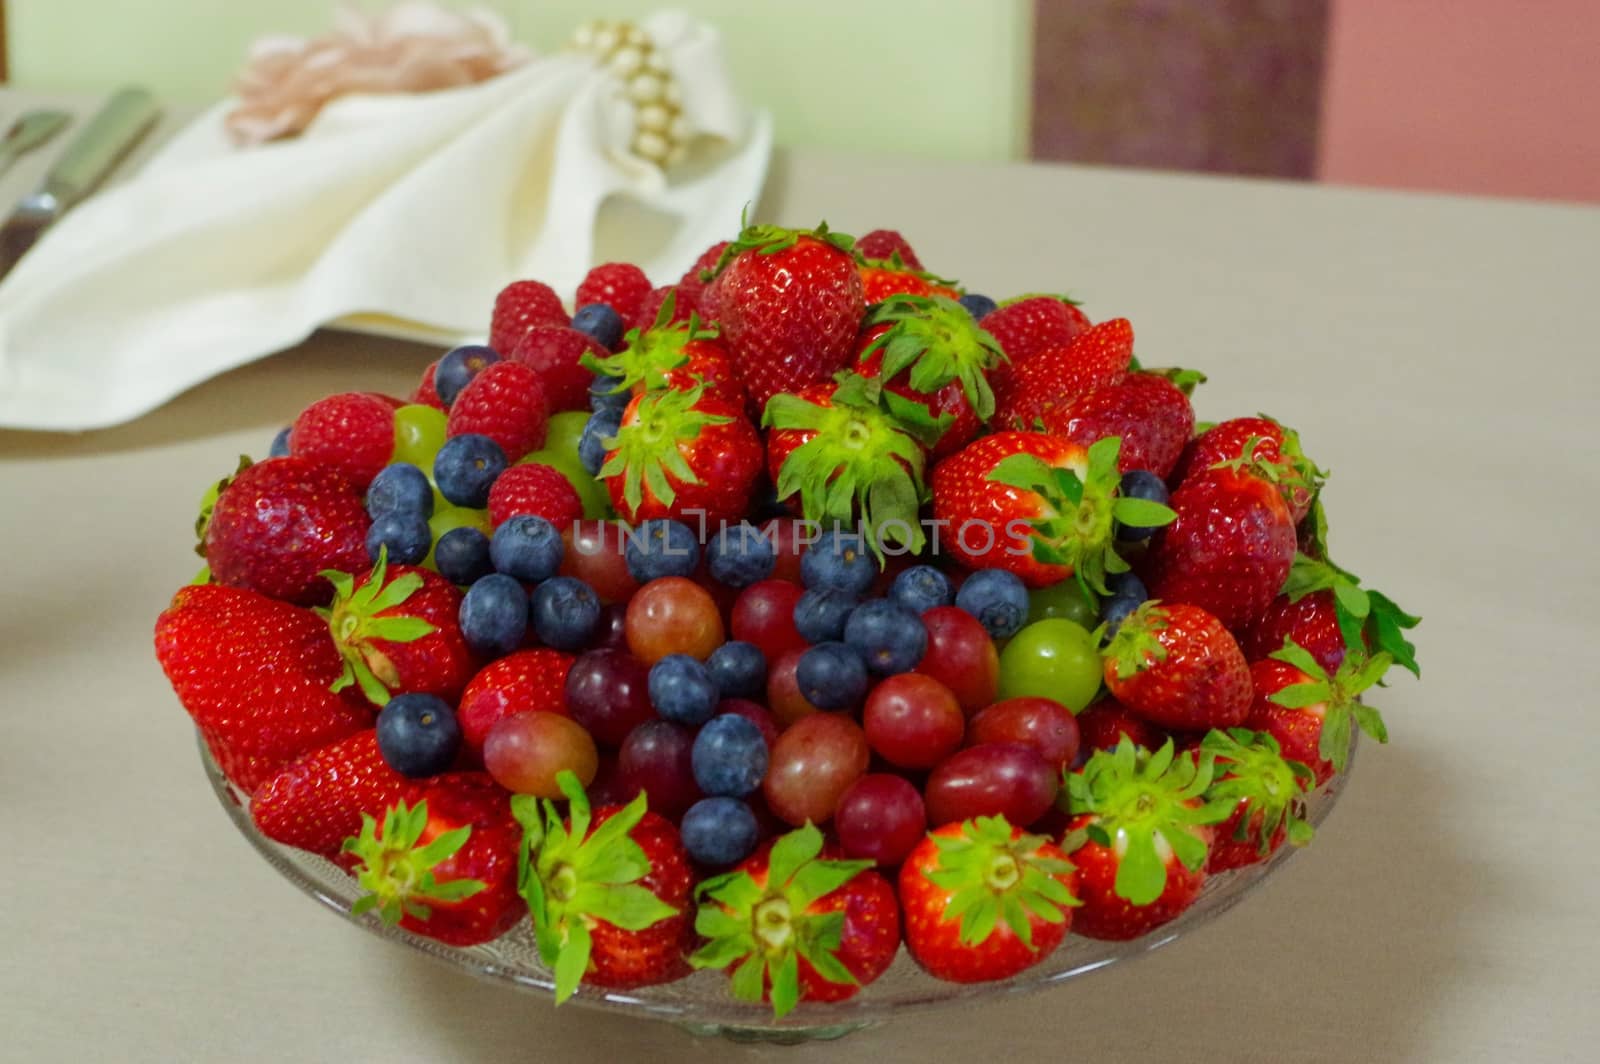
{"x":1065,"y":599}
{"x":446,"y":517}
{"x":1053,"y":658}
{"x":565,"y":430}
{"x":596,"y":503}
{"x":418,"y":435}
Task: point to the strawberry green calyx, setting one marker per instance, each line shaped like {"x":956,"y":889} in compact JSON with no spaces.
{"x":571,"y":878}
{"x":937,"y":340}
{"x":1186,"y":380}
{"x":1250,"y":766}
{"x":647,"y":354}
{"x":646,"y":451}
{"x":1366,"y":617}
{"x":1078,"y":529}
{"x":1338,"y":695}
{"x":1142,"y":804}
{"x":208,"y":503}
{"x":1136,"y":646}
{"x":767,"y":929}
{"x":861,"y":459}
{"x":397,"y":873}
{"x":995,"y":875}
{"x":353,"y":619}
{"x":771,"y":239}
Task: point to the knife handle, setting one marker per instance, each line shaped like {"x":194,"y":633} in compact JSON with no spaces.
{"x":102,"y":144}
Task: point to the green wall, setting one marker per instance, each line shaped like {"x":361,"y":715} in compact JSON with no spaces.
{"x":928,"y":78}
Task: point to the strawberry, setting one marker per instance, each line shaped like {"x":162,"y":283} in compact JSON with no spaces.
{"x":533,"y":488}
{"x":1177,"y":666}
{"x":1038,"y":506}
{"x":557,"y":354}
{"x":1150,"y":413}
{"x":1103,"y":724}
{"x":652,"y":308}
{"x":1326,"y":611}
{"x":847,"y":458}
{"x":519,"y":307}
{"x":609,"y":894}
{"x":791,"y":925}
{"x":1140,"y":836}
{"x":525,"y":680}
{"x":1230,"y":548}
{"x":397,"y":630}
{"x":693,"y":285}
{"x":426,"y":394}
{"x":317,"y":802}
{"x":790,"y":305}
{"x":670,"y":354}
{"x":505,"y":402}
{"x":1093,"y":359}
{"x":1275,"y":450}
{"x":932,"y":353}
{"x":883,"y":279}
{"x":985,"y":901}
{"x":621,"y":286}
{"x":887,"y":245}
{"x":1026,"y":326}
{"x":445,"y":867}
{"x":254,"y":674}
{"x":351,"y":433}
{"x":1309,"y":711}
{"x":684,"y":455}
{"x":276,"y":525}
{"x":1267,"y":793}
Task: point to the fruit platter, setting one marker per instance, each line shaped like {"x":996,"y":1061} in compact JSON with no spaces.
{"x":779,"y":649}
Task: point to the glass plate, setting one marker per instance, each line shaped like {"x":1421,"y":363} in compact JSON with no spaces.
{"x":701,"y":1003}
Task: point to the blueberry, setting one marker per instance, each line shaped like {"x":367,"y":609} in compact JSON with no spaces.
{"x":400,"y":488}
{"x":889,"y":637}
{"x":418,"y":734}
{"x":661,"y":548}
{"x":466,"y":467}
{"x":978,"y":306}
{"x":682,"y":690}
{"x":600,"y":323}
{"x":1141,"y":484}
{"x":601,"y":426}
{"x":838,"y":560}
{"x":406,"y":537}
{"x":832,"y":676}
{"x":494,"y":615}
{"x":603,"y":394}
{"x":920,"y":589}
{"x":527,"y":547}
{"x":457,"y":369}
{"x":564,"y":613}
{"x":280,"y":443}
{"x":738,"y":669}
{"x":462,"y":556}
{"x":729,"y":757}
{"x":1128,"y":586}
{"x":1115,"y":611}
{"x":719,"y":831}
{"x":998,"y":599}
{"x":741,"y":555}
{"x":820,"y":615}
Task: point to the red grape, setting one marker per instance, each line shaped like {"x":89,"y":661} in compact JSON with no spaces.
{"x":783,"y":690}
{"x":880,"y":818}
{"x":612,"y":630}
{"x":785,"y":534}
{"x":764,"y":615}
{"x":1042,"y":723}
{"x":655,"y":759}
{"x":594,"y":554}
{"x":673,"y":615}
{"x":961,"y":656}
{"x":913,"y":721}
{"x":1004,"y":778}
{"x":812,"y":765}
{"x":525,"y":751}
{"x":608,"y":692}
{"x":755,"y":713}
{"x":609,"y":788}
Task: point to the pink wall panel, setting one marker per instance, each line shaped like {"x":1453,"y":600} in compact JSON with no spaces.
{"x":1477,"y":96}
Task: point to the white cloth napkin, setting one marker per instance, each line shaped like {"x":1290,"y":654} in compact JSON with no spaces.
{"x":399,"y":214}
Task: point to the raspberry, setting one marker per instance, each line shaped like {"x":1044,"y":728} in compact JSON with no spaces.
{"x":621,"y":286}
{"x":506,"y":403}
{"x":555,"y":353}
{"x":426,"y":393}
{"x":650,"y":309}
{"x":535,"y":490}
{"x":352,"y":432}
{"x":884,"y":244}
{"x":519,"y":307}
{"x":691,"y":287}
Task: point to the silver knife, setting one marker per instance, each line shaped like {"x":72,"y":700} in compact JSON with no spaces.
{"x":89,"y":159}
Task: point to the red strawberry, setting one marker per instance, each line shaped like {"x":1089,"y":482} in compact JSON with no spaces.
{"x":985,"y":901}
{"x":790,"y":306}
{"x":533,"y":488}
{"x":1276,"y":454}
{"x":255,"y":674}
{"x":651,"y":309}
{"x":351,"y":433}
{"x":445,"y":867}
{"x":278,"y":524}
{"x":673,"y":354}
{"x":609,"y":895}
{"x":397,"y":630}
{"x":506,"y":403}
{"x":526,"y":680}
{"x":1309,"y":711}
{"x":683,"y":455}
{"x":317,"y":802}
{"x":621,"y":286}
{"x":791,"y":925}
{"x":520,"y":306}
{"x":1177,"y":666}
{"x":1230,"y":548}
{"x":693,"y":285}
{"x":426,"y":394}
{"x":887,"y":245}
{"x":1326,"y":611}
{"x":1140,"y":836}
{"x":1150,"y":413}
{"x":1024,"y":327}
{"x":1268,"y":795}
{"x":1039,"y":506}
{"x":1055,"y":376}
{"x":1311,"y":621}
{"x":882,"y":280}
{"x":556,"y":353}
{"x":1104,"y":723}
